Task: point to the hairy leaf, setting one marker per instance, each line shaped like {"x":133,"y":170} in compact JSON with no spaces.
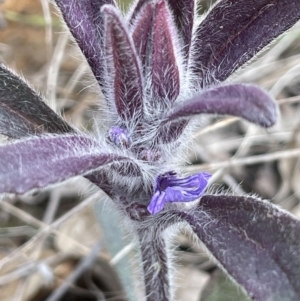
{"x":246,"y":101}
{"x":171,"y":131}
{"x":100,"y":179}
{"x":123,"y":66}
{"x":136,"y":9}
{"x":23,"y":112}
{"x":257,"y":243}
{"x":40,"y":161}
{"x":234,"y":31}
{"x":184,"y":11}
{"x":165,"y":72}
{"x":141,"y":34}
{"x":85,"y":21}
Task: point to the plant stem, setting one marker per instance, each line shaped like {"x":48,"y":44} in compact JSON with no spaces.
{"x":155,"y":265}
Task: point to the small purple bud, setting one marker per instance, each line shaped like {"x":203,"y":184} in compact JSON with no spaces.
{"x":170,"y":188}
{"x":119,"y":137}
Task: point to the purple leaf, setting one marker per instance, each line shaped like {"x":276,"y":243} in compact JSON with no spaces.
{"x":100,"y":179}
{"x":142,"y":18}
{"x":123,"y":66}
{"x":256,"y":243}
{"x":234,"y":31}
{"x":184,"y":12}
{"x":136,"y":10}
{"x":108,"y":184}
{"x":23,"y":112}
{"x":165,"y":72}
{"x":141,"y":34}
{"x":246,"y":101}
{"x":171,"y":131}
{"x":85,"y":21}
{"x":38,"y":162}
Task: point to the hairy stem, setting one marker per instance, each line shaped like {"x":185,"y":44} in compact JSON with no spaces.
{"x":155,"y":265}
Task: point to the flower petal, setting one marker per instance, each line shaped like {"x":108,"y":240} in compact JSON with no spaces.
{"x":85,"y":21}
{"x":235,"y":31}
{"x":41,"y":161}
{"x":123,"y":66}
{"x":172,"y":189}
{"x":23,"y":112}
{"x":187,"y":189}
{"x":246,"y":101}
{"x":157,"y":202}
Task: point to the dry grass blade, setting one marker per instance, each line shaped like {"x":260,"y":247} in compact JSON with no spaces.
{"x":244,"y":161}
{"x":54,"y":70}
{"x":83,"y":265}
{"x":48,"y":27}
{"x":45,"y":229}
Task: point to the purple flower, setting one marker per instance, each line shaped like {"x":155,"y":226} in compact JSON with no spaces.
{"x":158,"y":70}
{"x":169,"y":189}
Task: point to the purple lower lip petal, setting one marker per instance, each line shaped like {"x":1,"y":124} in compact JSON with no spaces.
{"x":157,"y":203}
{"x":171,"y":189}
